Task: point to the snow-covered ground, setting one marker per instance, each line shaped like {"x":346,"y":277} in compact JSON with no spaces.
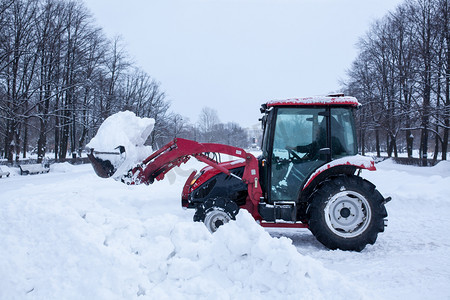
{"x":71,"y":235}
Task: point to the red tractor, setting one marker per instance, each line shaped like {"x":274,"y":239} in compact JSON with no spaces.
{"x":306,"y":177}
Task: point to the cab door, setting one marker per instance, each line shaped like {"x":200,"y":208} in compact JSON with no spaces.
{"x":298,"y":135}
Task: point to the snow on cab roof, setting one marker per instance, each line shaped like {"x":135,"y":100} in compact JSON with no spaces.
{"x":316,"y":100}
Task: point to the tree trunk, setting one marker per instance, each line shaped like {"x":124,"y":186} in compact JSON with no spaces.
{"x":389,"y":145}
{"x":64,"y":141}
{"x":42,"y":141}
{"x":81,"y":141}
{"x":17,"y":143}
{"x":25,"y":139}
{"x":436,"y":145}
{"x":9,"y":144}
{"x":424,"y":146}
{"x":445,"y":142}
{"x":409,"y":143}
{"x":57,"y":131}
{"x":394,"y":145}
{"x":377,"y":141}
{"x":447,"y":84}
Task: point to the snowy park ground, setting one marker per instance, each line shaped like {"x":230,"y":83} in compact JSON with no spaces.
{"x":71,"y":235}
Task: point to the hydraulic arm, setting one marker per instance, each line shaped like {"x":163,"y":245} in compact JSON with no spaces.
{"x":179,"y":151}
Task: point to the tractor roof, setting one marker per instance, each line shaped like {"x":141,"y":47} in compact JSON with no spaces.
{"x":316,"y":100}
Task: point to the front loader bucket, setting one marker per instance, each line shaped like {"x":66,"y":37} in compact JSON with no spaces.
{"x":103,"y":166}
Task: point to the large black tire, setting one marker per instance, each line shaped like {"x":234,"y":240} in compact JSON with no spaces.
{"x":216,"y":212}
{"x":347,"y":213}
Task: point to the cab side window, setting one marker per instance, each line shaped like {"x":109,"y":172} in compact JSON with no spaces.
{"x":343,"y":138}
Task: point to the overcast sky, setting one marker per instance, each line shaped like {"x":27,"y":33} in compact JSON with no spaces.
{"x":234,"y":55}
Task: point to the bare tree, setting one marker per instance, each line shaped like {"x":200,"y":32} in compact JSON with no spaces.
{"x":207,"y":120}
{"x":401,"y":77}
{"x":17,"y":68}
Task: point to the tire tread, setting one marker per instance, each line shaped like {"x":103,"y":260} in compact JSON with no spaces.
{"x":325,"y":191}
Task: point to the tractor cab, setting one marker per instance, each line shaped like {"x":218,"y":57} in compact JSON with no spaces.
{"x":300,"y":136}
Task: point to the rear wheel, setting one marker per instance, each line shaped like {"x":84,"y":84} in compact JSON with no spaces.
{"x":347,"y":213}
{"x":216,"y":212}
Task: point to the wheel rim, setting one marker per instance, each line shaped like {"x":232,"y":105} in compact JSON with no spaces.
{"x":347,"y":214}
{"x":216,"y":218}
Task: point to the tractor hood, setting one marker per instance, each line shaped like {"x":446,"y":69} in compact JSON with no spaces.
{"x":208,"y":172}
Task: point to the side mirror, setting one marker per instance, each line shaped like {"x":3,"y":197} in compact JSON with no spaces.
{"x":263,"y":121}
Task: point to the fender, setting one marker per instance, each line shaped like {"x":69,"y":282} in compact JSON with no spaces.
{"x":357,"y":161}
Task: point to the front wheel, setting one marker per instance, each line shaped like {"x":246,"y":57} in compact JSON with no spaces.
{"x":216,"y":212}
{"x":346,"y":213}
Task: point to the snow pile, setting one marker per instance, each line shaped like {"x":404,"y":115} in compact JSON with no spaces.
{"x":76,"y":236}
{"x":431,"y":183}
{"x":123,"y":129}
{"x":240,"y":260}
{"x":442,"y":168}
{"x":6,"y":169}
{"x":62,"y":167}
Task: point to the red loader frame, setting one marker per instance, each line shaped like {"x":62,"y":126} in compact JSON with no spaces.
{"x":181,"y":150}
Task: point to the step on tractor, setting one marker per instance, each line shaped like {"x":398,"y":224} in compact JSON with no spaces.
{"x":308,"y":175}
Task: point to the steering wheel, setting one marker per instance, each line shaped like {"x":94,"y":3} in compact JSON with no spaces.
{"x":293,"y":154}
